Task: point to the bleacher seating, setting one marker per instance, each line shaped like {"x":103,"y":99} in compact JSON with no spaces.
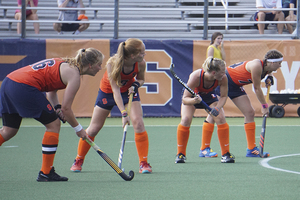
{"x":155,"y":19}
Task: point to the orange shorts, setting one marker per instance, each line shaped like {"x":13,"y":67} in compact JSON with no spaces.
{"x":82,"y":16}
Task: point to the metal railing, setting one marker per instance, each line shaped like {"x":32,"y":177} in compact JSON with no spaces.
{"x":116,"y":21}
{"x":225,"y":5}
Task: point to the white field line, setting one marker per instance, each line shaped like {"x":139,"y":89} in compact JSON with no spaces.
{"x":264,"y":163}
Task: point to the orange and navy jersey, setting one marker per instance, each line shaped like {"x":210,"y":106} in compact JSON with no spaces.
{"x":126,"y":80}
{"x":239,"y":74}
{"x":44,"y":75}
{"x":201,"y":90}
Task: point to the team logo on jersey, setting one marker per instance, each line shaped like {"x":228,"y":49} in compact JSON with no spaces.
{"x":104,"y":101}
{"x":49,"y":107}
{"x":124,"y":82}
{"x":213,"y":96}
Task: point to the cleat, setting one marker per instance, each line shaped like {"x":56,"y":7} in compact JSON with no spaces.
{"x":227,"y":158}
{"x":255,"y":153}
{"x":77,"y":165}
{"x":207,"y":153}
{"x":180,"y":158}
{"x":52,"y":176}
{"x":145,"y":167}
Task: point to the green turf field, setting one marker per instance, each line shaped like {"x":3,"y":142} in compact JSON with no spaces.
{"x":198,"y":178}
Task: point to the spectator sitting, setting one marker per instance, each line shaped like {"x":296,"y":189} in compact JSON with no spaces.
{"x":71,"y":15}
{"x":289,"y":15}
{"x":30,"y":15}
{"x":274,"y":15}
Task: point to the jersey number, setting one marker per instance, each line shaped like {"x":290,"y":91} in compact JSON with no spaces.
{"x":43,"y":64}
{"x":236,"y":64}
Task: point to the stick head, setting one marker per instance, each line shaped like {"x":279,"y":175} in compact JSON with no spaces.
{"x":129,"y":177}
{"x":172,"y":69}
{"x":265,"y":155}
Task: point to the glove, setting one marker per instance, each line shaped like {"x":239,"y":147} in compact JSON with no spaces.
{"x":136,"y":86}
{"x":58,"y":106}
{"x":269,"y":78}
{"x":214,"y":111}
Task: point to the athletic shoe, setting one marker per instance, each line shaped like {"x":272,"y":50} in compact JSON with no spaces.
{"x":76,"y":167}
{"x":52,"y":176}
{"x":227,"y":158}
{"x":255,"y":153}
{"x":180,"y":158}
{"x":207,"y":153}
{"x":77,"y":32}
{"x":145,"y":167}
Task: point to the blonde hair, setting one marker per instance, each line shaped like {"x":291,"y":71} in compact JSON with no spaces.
{"x":84,"y":57}
{"x":213,"y":64}
{"x":131,"y":46}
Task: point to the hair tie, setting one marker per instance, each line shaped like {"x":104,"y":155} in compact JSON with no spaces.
{"x":83,"y":50}
{"x":124,"y":44}
{"x":210,"y":64}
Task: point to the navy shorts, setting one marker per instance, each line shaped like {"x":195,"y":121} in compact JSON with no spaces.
{"x":23,"y":100}
{"x":233,"y":89}
{"x":107,"y":101}
{"x":69,"y":27}
{"x":269,"y":17}
{"x":208,"y":98}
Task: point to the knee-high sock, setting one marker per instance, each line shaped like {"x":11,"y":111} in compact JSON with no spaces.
{"x":49,"y":147}
{"x":207,"y":131}
{"x":1,"y":140}
{"x":223,"y":134}
{"x":83,"y":148}
{"x":142,"y":145}
{"x":250,"y":134}
{"x":183,"y":134}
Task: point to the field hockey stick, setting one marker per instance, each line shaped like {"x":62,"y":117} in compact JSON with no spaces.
{"x":207,"y":108}
{"x":110,"y":162}
{"x":58,"y":106}
{"x":124,"y":134}
{"x":263,"y":131}
{"x":61,"y":119}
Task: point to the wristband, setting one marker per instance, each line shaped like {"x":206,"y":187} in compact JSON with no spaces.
{"x":58,"y":106}
{"x":124,"y":114}
{"x":77,"y":128}
{"x":123,"y":111}
{"x":265,"y":105}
